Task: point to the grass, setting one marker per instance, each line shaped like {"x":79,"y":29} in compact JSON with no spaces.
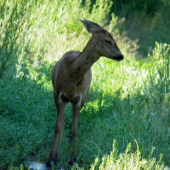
{"x":145,"y":26}
{"x":125,"y":121}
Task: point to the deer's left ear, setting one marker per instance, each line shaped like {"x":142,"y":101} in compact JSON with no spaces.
{"x":91,"y":26}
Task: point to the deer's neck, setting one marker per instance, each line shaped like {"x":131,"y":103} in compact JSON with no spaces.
{"x":83,"y":62}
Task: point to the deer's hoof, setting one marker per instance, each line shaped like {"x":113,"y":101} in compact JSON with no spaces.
{"x":49,"y":163}
{"x":70,"y":163}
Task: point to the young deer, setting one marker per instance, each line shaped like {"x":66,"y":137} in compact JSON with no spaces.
{"x":71,"y":78}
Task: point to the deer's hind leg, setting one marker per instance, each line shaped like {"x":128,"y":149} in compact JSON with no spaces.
{"x":76,"y":107}
{"x":60,"y":122}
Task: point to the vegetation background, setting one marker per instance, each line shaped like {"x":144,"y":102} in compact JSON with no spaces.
{"x":125,"y":123}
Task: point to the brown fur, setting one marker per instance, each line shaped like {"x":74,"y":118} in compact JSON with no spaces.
{"x":71,"y":78}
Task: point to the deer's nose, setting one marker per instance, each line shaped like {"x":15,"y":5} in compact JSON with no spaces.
{"x":119,"y":57}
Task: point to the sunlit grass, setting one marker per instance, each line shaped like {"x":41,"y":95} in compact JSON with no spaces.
{"x":125,"y":121}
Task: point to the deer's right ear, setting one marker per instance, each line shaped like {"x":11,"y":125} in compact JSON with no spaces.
{"x":91,"y":26}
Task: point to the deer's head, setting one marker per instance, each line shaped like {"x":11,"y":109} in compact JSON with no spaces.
{"x":105,"y":44}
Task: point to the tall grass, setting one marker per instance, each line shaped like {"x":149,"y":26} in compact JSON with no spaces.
{"x":125,"y":121}
{"x":144,"y":21}
{"x":161,"y":73}
{"x":13,"y":26}
{"x":56,"y":27}
{"x":125,"y":7}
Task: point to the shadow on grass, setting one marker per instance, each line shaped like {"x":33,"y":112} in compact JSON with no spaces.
{"x":129,"y":120}
{"x":29,"y":116}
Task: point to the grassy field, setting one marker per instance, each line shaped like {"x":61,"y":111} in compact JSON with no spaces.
{"x":125,"y":123}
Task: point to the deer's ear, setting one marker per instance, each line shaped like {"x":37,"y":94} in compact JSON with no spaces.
{"x":91,"y":26}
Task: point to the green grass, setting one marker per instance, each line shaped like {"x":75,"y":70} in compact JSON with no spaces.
{"x":125,"y":121}
{"x":144,"y":22}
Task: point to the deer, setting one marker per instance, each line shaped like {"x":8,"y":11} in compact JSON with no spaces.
{"x":71,"y":78}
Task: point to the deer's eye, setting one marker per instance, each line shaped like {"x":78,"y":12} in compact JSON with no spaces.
{"x":108,"y":42}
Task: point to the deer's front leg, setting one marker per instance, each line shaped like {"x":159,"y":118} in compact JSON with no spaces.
{"x":54,"y":153}
{"x":76,"y":110}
